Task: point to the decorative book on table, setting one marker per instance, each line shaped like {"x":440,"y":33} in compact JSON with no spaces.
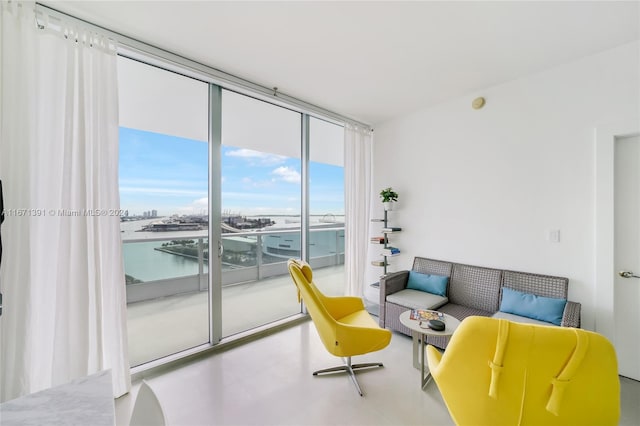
{"x":390,"y":251}
{"x":391,"y":229}
{"x":426,"y":315}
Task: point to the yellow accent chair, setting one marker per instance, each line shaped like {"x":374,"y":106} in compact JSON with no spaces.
{"x":496,"y":372}
{"x":345,"y":327}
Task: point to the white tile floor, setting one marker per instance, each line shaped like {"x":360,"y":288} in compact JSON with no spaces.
{"x":269,"y":382}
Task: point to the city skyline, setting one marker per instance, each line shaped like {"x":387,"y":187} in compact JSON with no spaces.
{"x":170,"y":174}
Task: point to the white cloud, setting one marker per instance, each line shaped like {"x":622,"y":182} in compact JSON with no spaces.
{"x":262,"y":158}
{"x":165,"y":192}
{"x":252,"y":196}
{"x":199,"y":206}
{"x":249,"y":182}
{"x":287,"y":174}
{"x":202,"y":202}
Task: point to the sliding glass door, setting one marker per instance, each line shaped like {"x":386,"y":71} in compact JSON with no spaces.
{"x":217,"y":198}
{"x":326,"y":205}
{"x":261,"y":211}
{"x":164,"y":193}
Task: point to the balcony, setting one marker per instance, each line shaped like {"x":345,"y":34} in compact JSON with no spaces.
{"x":170,"y":312}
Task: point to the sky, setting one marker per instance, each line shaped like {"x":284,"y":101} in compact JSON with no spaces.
{"x":169,"y":174}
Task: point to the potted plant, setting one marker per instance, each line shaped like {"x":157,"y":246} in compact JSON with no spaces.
{"x":388,"y":196}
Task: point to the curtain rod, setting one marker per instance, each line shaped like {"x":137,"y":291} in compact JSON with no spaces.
{"x":135,"y":48}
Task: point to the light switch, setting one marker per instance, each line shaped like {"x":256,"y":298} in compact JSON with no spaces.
{"x":554,"y":236}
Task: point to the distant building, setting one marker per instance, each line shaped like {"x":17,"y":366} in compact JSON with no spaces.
{"x":154,"y":213}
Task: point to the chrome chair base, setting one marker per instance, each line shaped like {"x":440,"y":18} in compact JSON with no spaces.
{"x":349,"y":368}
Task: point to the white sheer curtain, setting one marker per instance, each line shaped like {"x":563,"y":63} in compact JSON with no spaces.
{"x":62,"y":274}
{"x":357,"y":170}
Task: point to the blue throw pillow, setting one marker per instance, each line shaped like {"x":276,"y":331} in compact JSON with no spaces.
{"x":548,"y":309}
{"x":435,"y":284}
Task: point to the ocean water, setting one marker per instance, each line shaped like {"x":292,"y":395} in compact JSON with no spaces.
{"x":143,"y":262}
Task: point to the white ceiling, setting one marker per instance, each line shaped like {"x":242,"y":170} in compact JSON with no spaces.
{"x":372,"y":61}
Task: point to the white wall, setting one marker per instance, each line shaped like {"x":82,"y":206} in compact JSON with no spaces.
{"x":486,"y":186}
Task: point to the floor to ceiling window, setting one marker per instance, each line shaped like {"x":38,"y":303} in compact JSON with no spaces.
{"x":164,"y":192}
{"x":261,"y":207}
{"x":188,"y":148}
{"x":326,"y":205}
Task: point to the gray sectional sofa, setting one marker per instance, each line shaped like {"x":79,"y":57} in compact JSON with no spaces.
{"x":471,"y":290}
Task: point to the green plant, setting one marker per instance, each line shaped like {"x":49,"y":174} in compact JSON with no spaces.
{"x":388,"y":194}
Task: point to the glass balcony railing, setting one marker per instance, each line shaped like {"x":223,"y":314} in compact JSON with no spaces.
{"x":167,"y":283}
{"x":165,"y":266}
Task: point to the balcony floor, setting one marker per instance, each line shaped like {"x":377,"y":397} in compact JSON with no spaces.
{"x":167,"y":325}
